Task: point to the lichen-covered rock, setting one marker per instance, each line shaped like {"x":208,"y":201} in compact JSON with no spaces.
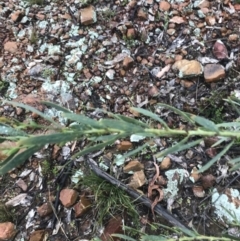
{"x":226,"y":204}
{"x":175,"y":178}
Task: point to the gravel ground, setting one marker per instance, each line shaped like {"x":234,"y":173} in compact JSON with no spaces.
{"x":85,"y":54}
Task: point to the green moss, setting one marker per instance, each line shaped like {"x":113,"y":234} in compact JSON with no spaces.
{"x":124,"y":2}
{"x":47,"y":73}
{"x":3,"y":87}
{"x":130,"y":42}
{"x":213,"y":107}
{"x":108,"y":14}
{"x":109,"y":199}
{"x":46,"y":168}
{"x":5,"y":215}
{"x":33,"y":37}
{"x":85,"y":3}
{"x":37,"y":2}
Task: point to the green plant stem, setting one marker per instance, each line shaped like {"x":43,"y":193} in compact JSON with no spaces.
{"x":202,"y":238}
{"x":197,"y":132}
{"x":169,"y":132}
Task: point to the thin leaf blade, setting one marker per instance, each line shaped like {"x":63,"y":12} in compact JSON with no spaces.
{"x":94,"y":148}
{"x":236,"y":163}
{"x":179,"y":112}
{"x":135,"y":151}
{"x":178,"y":147}
{"x":56,"y":106}
{"x":18,"y":159}
{"x":151,"y":115}
{"x":30,"y":108}
{"x":216,"y":158}
{"x":50,"y":139}
{"x":83,"y":120}
{"x":121,"y":126}
{"x":207,"y":124}
{"x":131,"y":120}
{"x":10,"y":131}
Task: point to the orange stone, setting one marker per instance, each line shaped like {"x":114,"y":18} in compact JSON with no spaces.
{"x":11,"y":47}
{"x":68,"y":197}
{"x":124,"y":146}
{"x":213,"y":72}
{"x":15,"y":16}
{"x":82,"y":206}
{"x":142,"y":14}
{"x":127,"y":62}
{"x":164,"y":6}
{"x":133,"y":166}
{"x":131,"y":34}
{"x":88,"y":15}
{"x":7,"y":230}
{"x":37,"y":235}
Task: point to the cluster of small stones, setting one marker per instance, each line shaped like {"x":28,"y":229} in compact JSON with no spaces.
{"x":105,"y":52}
{"x":113,"y":55}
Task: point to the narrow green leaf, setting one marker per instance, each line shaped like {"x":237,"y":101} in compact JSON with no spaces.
{"x":235,"y":167}
{"x":151,"y":115}
{"x":56,"y":106}
{"x":153,"y":238}
{"x":9,"y":131}
{"x":30,"y":108}
{"x":234,"y":125}
{"x":236,"y":163}
{"x":123,"y":237}
{"x":179,"y":112}
{"x":50,"y":139}
{"x":237,"y":159}
{"x":12,"y":138}
{"x":18,"y":159}
{"x":83,"y":120}
{"x":178,"y":147}
{"x":234,"y":103}
{"x":102,"y":138}
{"x":135,"y":151}
{"x":125,"y":119}
{"x":207,"y":124}
{"x":234,"y":100}
{"x":222,"y":139}
{"x":146,"y":134}
{"x":230,"y":237}
{"x":216,"y":158}
{"x":131,"y":120}
{"x":12,"y":153}
{"x":96,"y":239}
{"x":91,"y":149}
{"x":121,"y":125}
